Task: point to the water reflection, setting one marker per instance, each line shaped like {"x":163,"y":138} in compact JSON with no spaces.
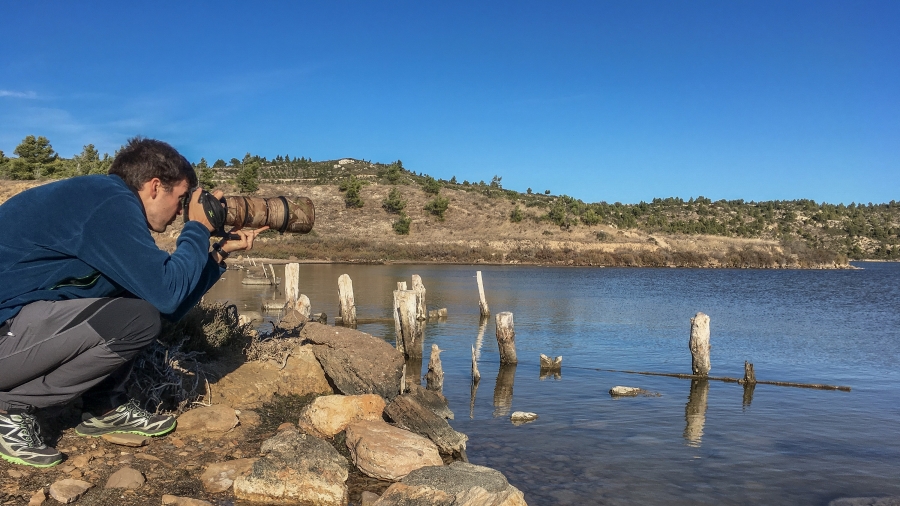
{"x":550,"y":373}
{"x":503,"y":390}
{"x":414,"y":370}
{"x":748,"y":394}
{"x":695,"y":412}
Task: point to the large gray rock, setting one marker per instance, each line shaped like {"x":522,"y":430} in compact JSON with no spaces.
{"x":295,"y":469}
{"x":383,"y":451}
{"x":355,"y":362}
{"x":249,"y":385}
{"x":406,"y":411}
{"x":327,"y":415}
{"x":458,"y":484}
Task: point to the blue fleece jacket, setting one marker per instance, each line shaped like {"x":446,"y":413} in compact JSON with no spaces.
{"x":88,"y":237}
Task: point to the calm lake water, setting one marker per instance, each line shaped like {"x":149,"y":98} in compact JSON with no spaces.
{"x":701,"y":443}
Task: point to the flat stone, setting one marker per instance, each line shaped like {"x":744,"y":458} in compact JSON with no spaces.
{"x":521,"y":417}
{"x":207,"y":420}
{"x":385,"y":452}
{"x":219,"y":476}
{"x":126,"y":477}
{"x":327,"y":415}
{"x":173,"y":500}
{"x":457,"y":484}
{"x":249,"y":385}
{"x":356,"y":362}
{"x":248,"y":417}
{"x":69,"y":490}
{"x":15,"y":473}
{"x":38,"y":498}
{"x":132,"y":440}
{"x":295,"y":469}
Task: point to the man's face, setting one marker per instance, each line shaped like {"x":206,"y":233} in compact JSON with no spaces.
{"x":162,"y":205}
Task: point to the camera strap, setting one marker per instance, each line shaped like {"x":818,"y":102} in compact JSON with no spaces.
{"x":287,"y":208}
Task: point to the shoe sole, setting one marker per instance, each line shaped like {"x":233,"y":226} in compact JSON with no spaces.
{"x":138,"y":432}
{"x":16,"y":460}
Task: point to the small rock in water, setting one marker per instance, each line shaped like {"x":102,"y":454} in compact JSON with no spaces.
{"x":520,"y":417}
{"x":620,"y":391}
{"x":69,"y":490}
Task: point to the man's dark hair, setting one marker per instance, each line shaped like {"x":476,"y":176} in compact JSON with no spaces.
{"x":144,"y":159}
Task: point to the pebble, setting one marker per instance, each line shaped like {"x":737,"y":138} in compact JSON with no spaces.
{"x":38,"y":498}
{"x":81,"y":461}
{"x":520,"y":417}
{"x":126,"y":477}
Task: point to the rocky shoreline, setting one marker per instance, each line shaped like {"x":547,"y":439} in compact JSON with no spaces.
{"x":345,"y":434}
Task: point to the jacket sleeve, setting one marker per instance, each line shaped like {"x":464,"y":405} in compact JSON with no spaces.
{"x":115,"y":240}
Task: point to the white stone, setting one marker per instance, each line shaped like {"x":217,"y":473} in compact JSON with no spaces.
{"x":520,"y":417}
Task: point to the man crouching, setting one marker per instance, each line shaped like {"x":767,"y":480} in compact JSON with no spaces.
{"x":82,"y":288}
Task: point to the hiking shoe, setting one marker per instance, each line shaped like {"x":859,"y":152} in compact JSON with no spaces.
{"x":20,"y":442}
{"x":128,"y":418}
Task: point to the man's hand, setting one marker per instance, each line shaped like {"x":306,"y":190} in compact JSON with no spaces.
{"x":244,"y":240}
{"x":195,"y":209}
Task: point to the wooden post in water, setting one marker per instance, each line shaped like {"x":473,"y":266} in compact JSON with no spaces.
{"x":749,"y":383}
{"x":506,"y":338}
{"x":348,"y":305}
{"x":699,"y":344}
{"x":401,"y":285}
{"x":398,"y":335}
{"x":482,"y":304}
{"x":411,"y":329}
{"x":419,"y":288}
{"x":292,"y":285}
{"x":434,"y":378}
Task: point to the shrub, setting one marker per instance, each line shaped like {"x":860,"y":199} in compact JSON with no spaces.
{"x":351,"y":186}
{"x":394,"y":202}
{"x":438,"y":206}
{"x":590,"y":218}
{"x":401,"y":226}
{"x":431,"y":186}
{"x":516,"y":215}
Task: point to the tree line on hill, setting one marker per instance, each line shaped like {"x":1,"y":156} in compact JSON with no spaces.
{"x":855,"y":230}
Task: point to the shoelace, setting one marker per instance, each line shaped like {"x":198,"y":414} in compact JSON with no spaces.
{"x":31,"y":431}
{"x":135,"y":409}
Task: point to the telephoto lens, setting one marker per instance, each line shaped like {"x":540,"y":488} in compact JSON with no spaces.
{"x":282,"y":214}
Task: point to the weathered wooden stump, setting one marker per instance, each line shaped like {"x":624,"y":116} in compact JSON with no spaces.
{"x":506,"y":338}
{"x":348,"y":305}
{"x":412,"y":330}
{"x":482,"y":302}
{"x":292,"y":285}
{"x":695,"y":411}
{"x":551,"y":364}
{"x":401,"y":285}
{"x":699,"y":344}
{"x":419,"y":288}
{"x":435,"y":314}
{"x":434,"y":378}
{"x":503,"y":389}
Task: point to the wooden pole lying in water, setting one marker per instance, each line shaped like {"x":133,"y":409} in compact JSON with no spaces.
{"x":506,"y":338}
{"x":699,"y":344}
{"x":817,"y":386}
{"x":348,"y":305}
{"x":482,"y":303}
{"x":434,"y":378}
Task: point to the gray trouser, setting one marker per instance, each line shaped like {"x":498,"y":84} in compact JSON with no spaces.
{"x":56,"y":351}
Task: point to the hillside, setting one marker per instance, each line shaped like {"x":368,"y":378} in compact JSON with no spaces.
{"x":483,"y":222}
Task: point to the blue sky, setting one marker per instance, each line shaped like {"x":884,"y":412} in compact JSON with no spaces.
{"x":615,"y":101}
